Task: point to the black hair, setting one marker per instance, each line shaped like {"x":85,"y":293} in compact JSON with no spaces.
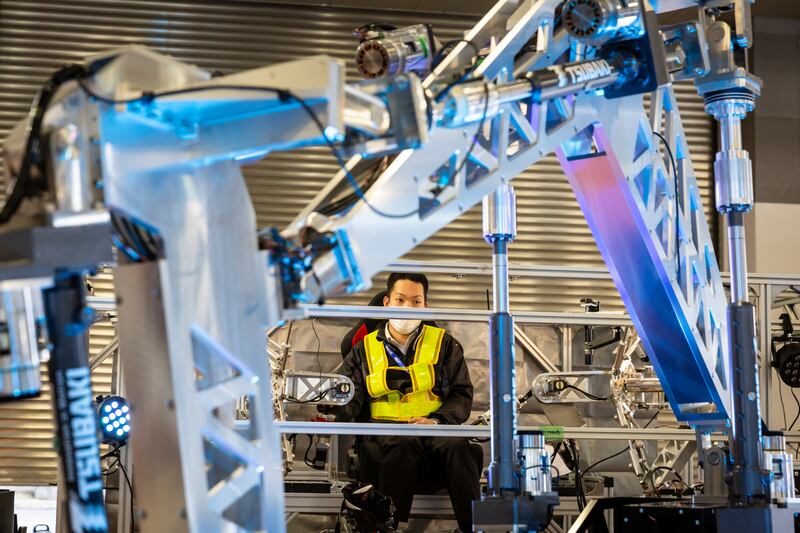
{"x":394,"y":277}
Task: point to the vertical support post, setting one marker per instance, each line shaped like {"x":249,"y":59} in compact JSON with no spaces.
{"x":68,"y":321}
{"x":499,"y":228}
{"x":734,"y":195}
{"x":125,"y":505}
{"x":765,"y":338}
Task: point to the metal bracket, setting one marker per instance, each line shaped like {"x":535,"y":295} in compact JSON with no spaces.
{"x":317,"y":388}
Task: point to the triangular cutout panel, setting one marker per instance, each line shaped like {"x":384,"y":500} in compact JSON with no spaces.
{"x":559,"y":110}
{"x":213,"y":364}
{"x":221,"y":464}
{"x":663,"y":191}
{"x":642,"y":143}
{"x":701,"y":325}
{"x":719,"y":368}
{"x":244,"y":512}
{"x":643,"y":184}
{"x":697,"y":284}
{"x":664,"y":233}
{"x":709,"y":260}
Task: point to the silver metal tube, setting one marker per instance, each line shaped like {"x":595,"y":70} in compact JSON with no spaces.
{"x":109,"y":349}
{"x":514,"y":91}
{"x":580,"y":433}
{"x":730,"y":133}
{"x":644,"y":385}
{"x":536,"y":463}
{"x":737,"y":254}
{"x":500,"y":277}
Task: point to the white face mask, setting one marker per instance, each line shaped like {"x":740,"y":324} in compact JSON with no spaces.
{"x":404,"y":327}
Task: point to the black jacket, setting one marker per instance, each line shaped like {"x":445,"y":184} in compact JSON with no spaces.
{"x":452,"y":383}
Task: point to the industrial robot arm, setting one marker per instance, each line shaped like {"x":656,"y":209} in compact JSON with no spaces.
{"x":530,"y":79}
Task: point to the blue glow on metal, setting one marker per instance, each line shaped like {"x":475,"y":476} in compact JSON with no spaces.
{"x":634,"y":258}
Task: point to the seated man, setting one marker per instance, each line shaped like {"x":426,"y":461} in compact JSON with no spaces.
{"x":408,"y":372}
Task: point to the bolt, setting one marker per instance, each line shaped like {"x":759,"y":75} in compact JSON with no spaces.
{"x":751,"y":396}
{"x":625,"y":519}
{"x":170,"y":404}
{"x":506,"y":398}
{"x":697,"y":522}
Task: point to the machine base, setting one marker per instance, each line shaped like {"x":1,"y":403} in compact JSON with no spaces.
{"x":514,"y":513}
{"x":706,"y":518}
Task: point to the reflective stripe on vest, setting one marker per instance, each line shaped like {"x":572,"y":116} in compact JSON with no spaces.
{"x":388,"y":404}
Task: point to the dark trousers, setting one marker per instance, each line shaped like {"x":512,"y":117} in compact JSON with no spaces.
{"x":401,"y":466}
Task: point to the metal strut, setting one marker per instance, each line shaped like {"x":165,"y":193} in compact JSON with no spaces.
{"x":508,"y":505}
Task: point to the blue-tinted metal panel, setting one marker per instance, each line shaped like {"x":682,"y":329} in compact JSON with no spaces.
{"x":672,"y":291}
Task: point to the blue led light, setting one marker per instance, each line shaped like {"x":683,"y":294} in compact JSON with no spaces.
{"x":115,"y":419}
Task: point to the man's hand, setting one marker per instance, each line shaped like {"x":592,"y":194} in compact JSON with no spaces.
{"x":422,"y":420}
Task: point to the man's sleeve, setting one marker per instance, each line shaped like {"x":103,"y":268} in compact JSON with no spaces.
{"x":457,"y":405}
{"x":351,"y":367}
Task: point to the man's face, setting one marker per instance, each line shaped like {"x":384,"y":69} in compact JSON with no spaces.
{"x":406,"y":293}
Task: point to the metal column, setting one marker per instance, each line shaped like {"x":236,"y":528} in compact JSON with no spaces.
{"x":729,"y":100}
{"x":507,"y":506}
{"x":499,"y":229}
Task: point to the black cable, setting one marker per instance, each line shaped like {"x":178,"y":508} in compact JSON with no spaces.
{"x":442,"y":53}
{"x":306,"y":459}
{"x":791,"y":427}
{"x":115,"y":453}
{"x":579,"y":489}
{"x":677,"y":203}
{"x":130,"y":488}
{"x":783,"y":405}
{"x":319,"y":344}
{"x":317,"y":398}
{"x":283,"y":94}
{"x":653,"y":471}
{"x":605,"y":459}
{"x":346,"y":201}
{"x":286,"y":95}
{"x":33,"y":145}
{"x":343,"y":165}
{"x":619,"y":452}
{"x":478,"y":132}
{"x":587,"y":394}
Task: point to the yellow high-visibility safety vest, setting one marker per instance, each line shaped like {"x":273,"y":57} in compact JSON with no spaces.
{"x":388,"y":404}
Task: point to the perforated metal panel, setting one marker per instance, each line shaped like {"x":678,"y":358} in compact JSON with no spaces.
{"x":37,"y":36}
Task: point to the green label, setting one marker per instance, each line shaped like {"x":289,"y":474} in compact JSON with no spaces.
{"x":424,"y":46}
{"x":552,"y":432}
